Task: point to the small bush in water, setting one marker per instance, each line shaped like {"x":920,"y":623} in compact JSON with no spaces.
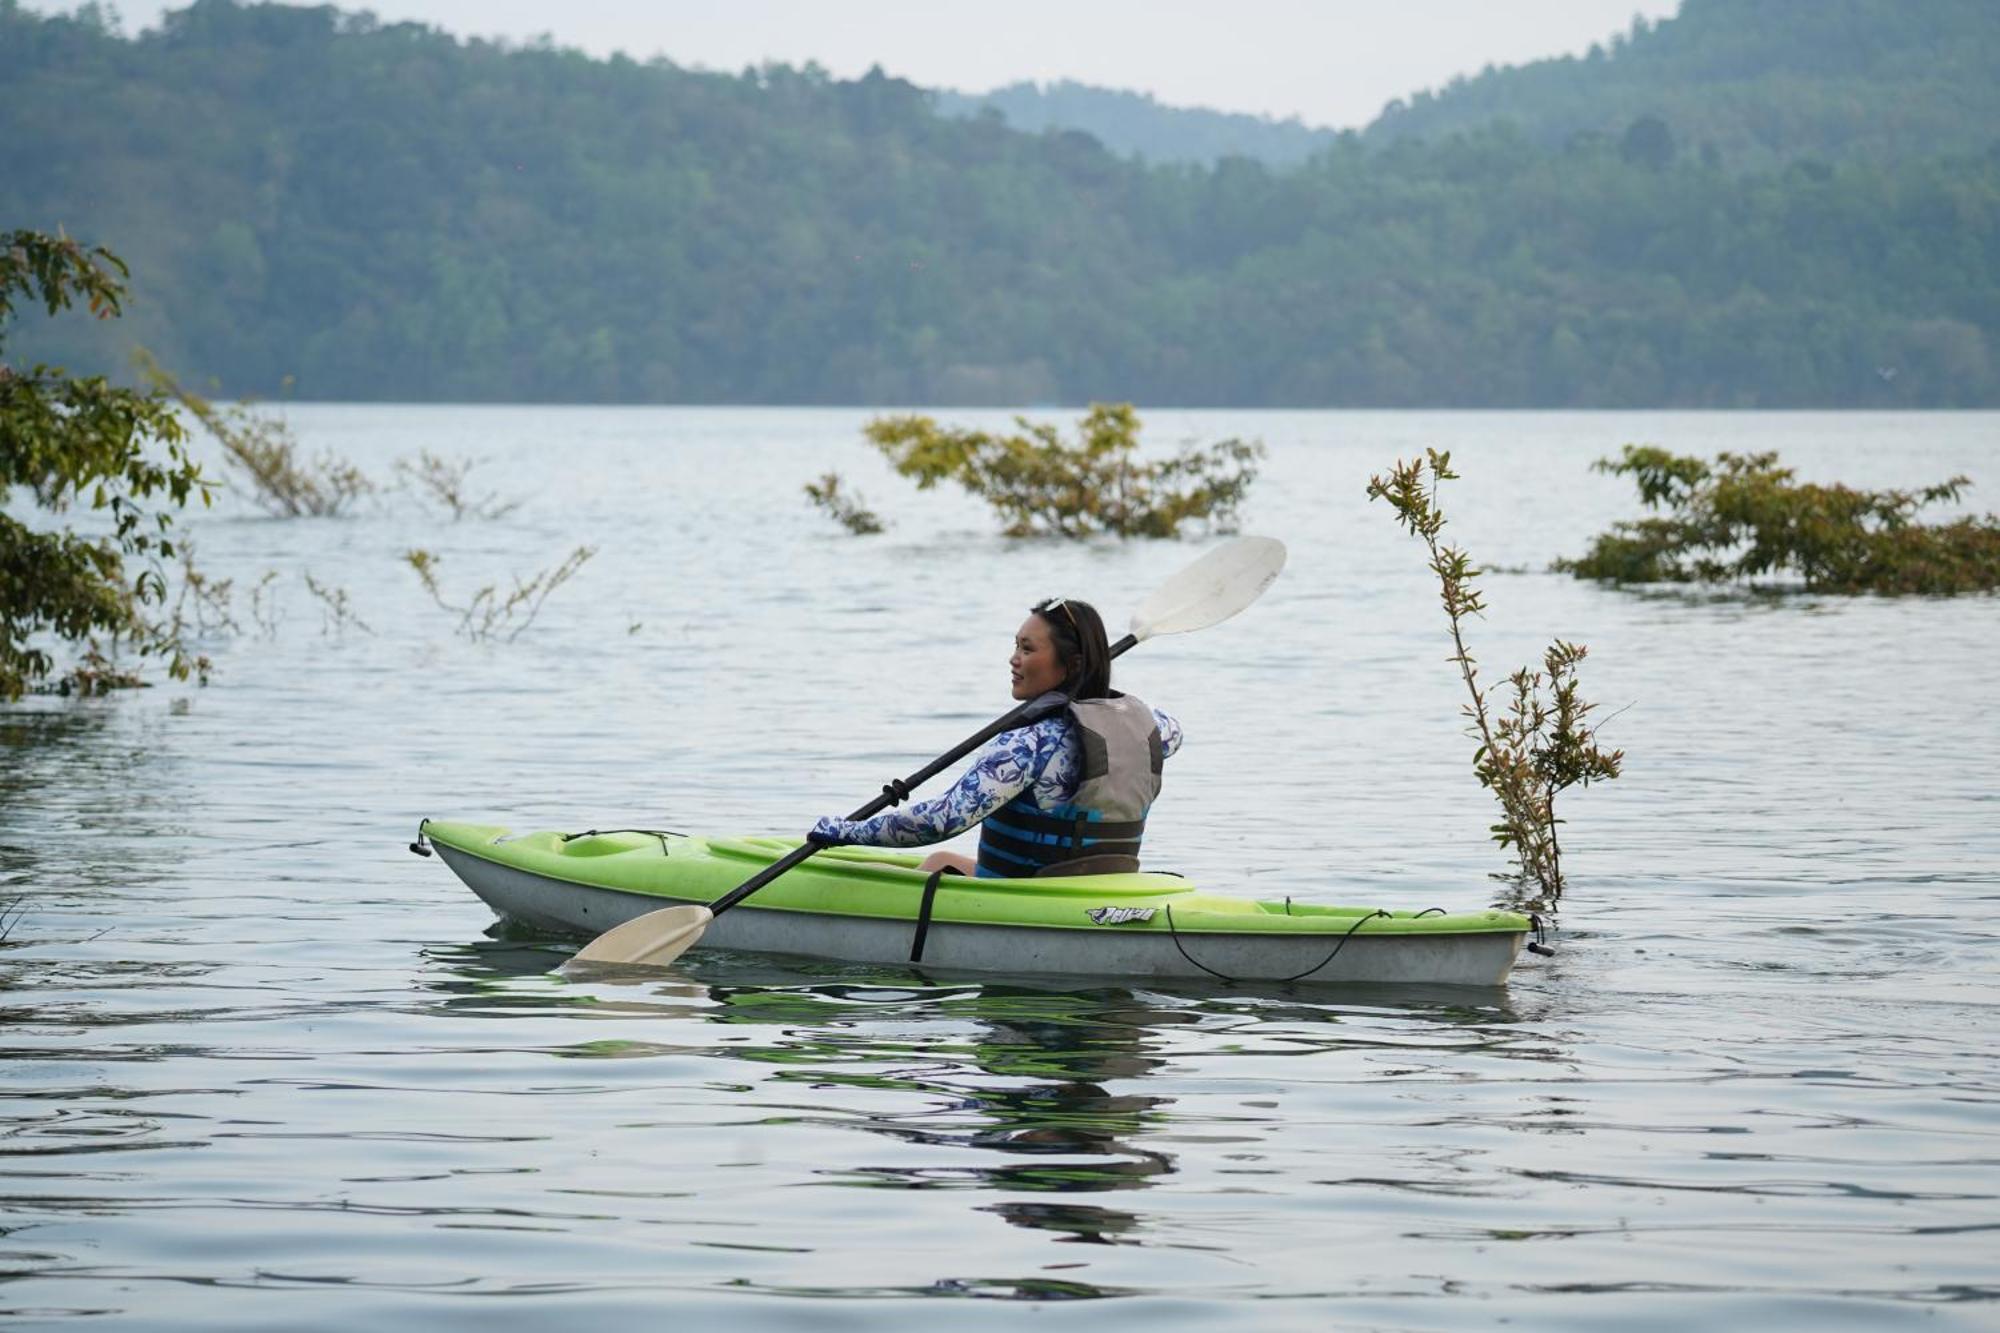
{"x":1744,"y":516}
{"x":1538,"y":746}
{"x":1040,"y":485}
{"x":335,"y":607}
{"x":846,"y":508}
{"x":490,"y":613}
{"x":260,"y":450}
{"x":443,"y":482}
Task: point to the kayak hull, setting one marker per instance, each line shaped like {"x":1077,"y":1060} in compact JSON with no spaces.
{"x":863,"y":908}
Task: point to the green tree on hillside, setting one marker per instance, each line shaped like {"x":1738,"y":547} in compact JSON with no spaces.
{"x":73,"y":442}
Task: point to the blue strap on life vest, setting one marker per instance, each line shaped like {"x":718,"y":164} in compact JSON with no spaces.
{"x":1021,"y":839}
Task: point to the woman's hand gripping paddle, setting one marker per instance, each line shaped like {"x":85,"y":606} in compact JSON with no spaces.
{"x":1207,"y":592}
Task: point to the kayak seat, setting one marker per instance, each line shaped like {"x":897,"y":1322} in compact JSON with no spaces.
{"x":1107,"y":864}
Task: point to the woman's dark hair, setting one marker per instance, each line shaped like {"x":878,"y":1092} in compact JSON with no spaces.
{"x":1078,"y":633}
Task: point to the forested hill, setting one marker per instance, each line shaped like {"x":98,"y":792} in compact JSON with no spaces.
{"x":381,"y":212}
{"x":1136,"y":125}
{"x":1754,"y":83}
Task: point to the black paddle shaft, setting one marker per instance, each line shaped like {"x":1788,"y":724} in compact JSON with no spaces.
{"x":1014,"y":718}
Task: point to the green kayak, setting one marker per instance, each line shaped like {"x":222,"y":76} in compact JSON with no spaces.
{"x":869,"y":905}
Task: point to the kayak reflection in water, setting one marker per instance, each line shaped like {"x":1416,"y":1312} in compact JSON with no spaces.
{"x":1065,"y":794}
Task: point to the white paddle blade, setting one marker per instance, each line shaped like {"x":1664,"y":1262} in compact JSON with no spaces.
{"x":1212,"y":589}
{"x":652,"y":940}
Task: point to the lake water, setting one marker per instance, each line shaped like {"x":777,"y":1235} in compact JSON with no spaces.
{"x":263,"y":1068}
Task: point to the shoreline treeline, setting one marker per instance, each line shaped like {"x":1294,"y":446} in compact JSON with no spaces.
{"x":380,"y":211}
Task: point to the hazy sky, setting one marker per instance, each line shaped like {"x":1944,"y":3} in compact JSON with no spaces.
{"x":1329,"y":62}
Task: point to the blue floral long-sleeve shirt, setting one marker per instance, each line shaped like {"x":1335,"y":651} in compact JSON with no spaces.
{"x":1045,"y":756}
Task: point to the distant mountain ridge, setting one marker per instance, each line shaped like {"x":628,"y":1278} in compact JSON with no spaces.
{"x":1752,"y":84}
{"x":1747,"y":84}
{"x":1137,"y":125}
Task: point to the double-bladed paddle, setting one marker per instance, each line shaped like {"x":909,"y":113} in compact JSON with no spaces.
{"x":1207,"y":592}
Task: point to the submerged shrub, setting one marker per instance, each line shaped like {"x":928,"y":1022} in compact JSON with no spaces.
{"x":1744,"y":516}
{"x":490,"y":613}
{"x":1040,"y":485}
{"x":260,"y":450}
{"x":335,"y":607}
{"x":443,"y":482}
{"x":844,"y":507}
{"x":1536,"y":746}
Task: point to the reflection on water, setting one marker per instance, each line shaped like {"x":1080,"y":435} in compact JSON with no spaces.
{"x":260,"y":1068}
{"x":1026,"y":1081}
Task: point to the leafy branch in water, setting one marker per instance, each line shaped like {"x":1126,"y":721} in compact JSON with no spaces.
{"x":260,"y":448}
{"x":76,"y":442}
{"x":98,"y":670}
{"x":201,"y":604}
{"x":1539,"y":746}
{"x":264,"y":604}
{"x":491,"y":614}
{"x":1040,"y":485}
{"x":847,"y":509}
{"x":442,"y":480}
{"x":1744,"y":516}
{"x":336,"y":611}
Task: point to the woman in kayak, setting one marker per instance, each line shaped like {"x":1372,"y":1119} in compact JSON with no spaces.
{"x":1064,"y":794}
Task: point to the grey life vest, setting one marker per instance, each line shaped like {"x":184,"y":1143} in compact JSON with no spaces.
{"x":1122,"y":758}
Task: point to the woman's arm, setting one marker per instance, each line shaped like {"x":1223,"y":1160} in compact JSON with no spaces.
{"x":1002,"y":770}
{"x":1170,"y":730}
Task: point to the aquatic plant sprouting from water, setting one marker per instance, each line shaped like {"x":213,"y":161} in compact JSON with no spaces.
{"x":260,"y":449}
{"x":1040,"y":485}
{"x":199,"y":608}
{"x":491,"y":614}
{"x":845,"y":507}
{"x":264,"y":608}
{"x":443,"y":481}
{"x":336,"y":610}
{"x":201,"y":605}
{"x":1535,"y":745}
{"x":1744,"y":516}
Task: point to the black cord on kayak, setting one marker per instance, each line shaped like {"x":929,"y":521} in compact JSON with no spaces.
{"x":649,"y":832}
{"x":421,"y":846}
{"x":661,"y":834}
{"x":1174,"y":932}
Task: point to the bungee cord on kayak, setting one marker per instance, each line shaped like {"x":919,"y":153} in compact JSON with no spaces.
{"x":1174,"y":932}
{"x":661,"y":834}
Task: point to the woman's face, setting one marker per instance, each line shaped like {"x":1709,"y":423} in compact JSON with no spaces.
{"x":1035,"y":665}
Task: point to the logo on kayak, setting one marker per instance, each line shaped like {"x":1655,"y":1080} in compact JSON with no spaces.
{"x":1118,"y":916}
